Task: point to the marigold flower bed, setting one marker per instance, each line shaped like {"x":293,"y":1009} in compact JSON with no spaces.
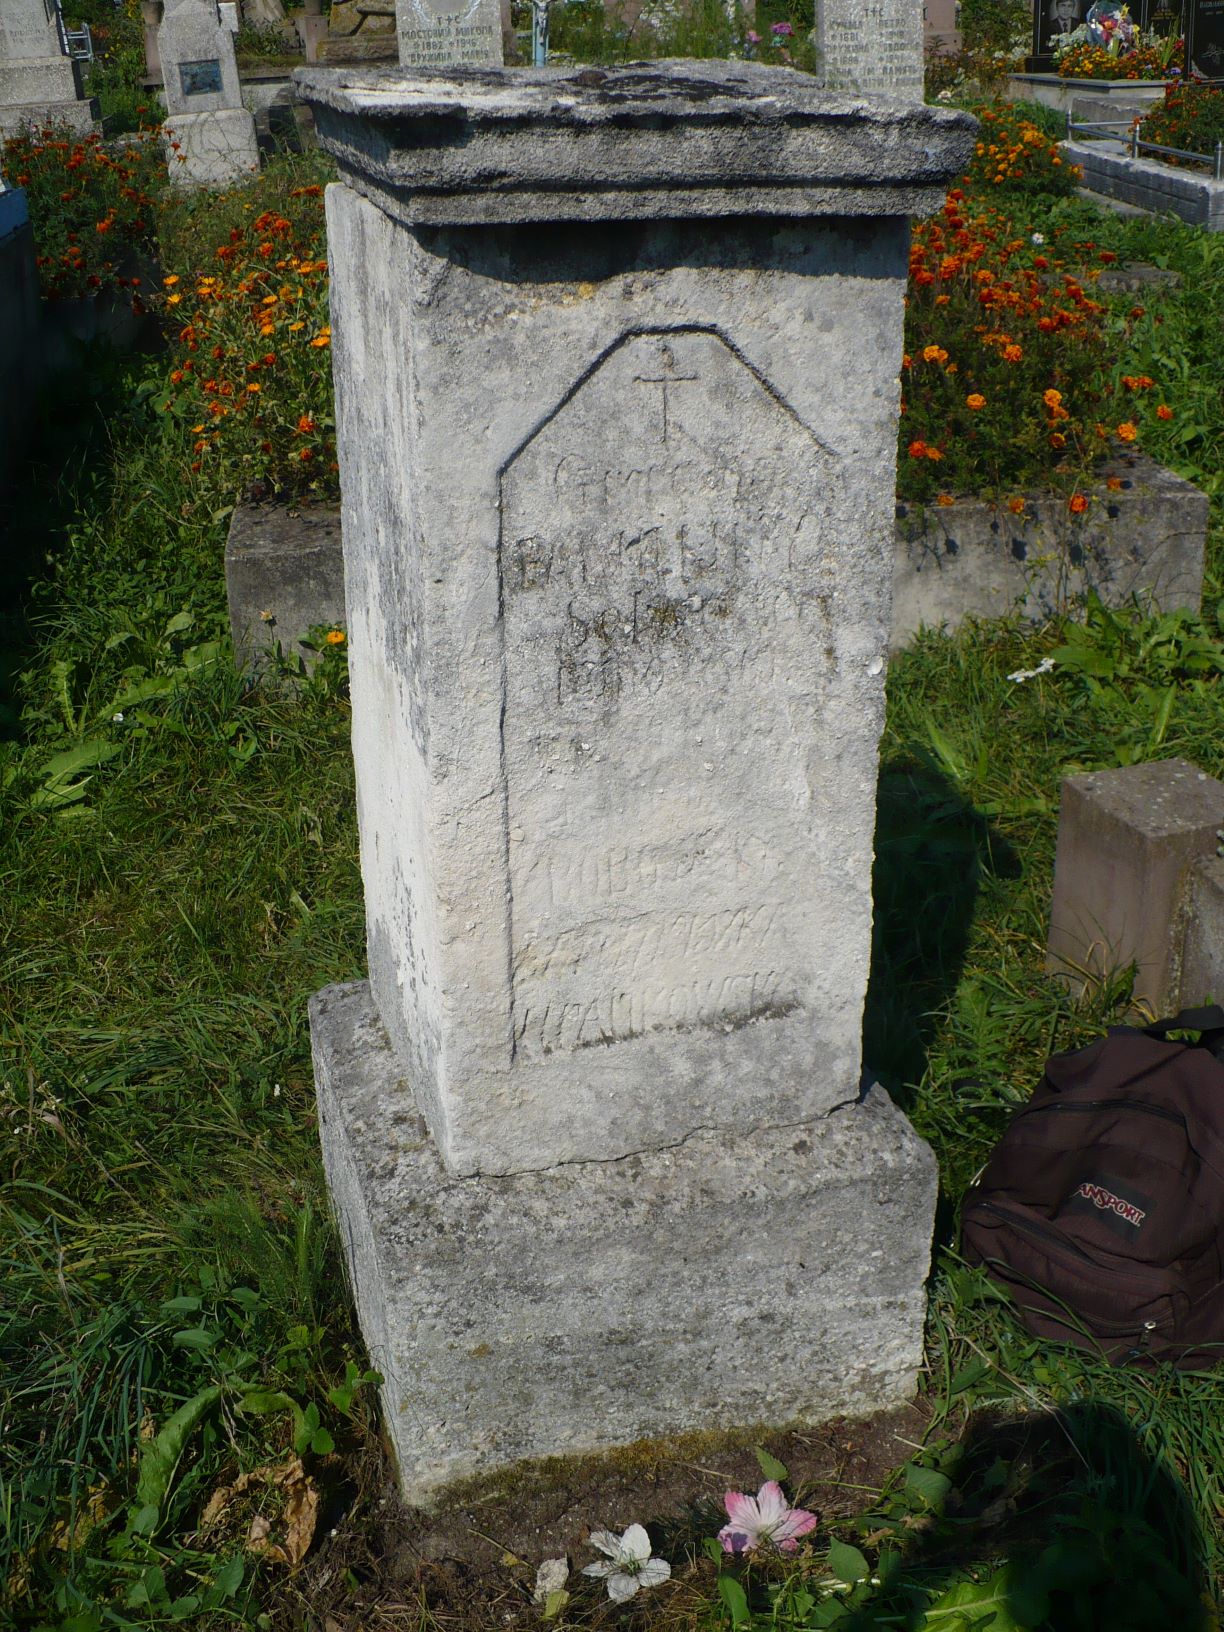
{"x":251,"y":381}
{"x":1008,"y":376}
{"x":94,"y":206}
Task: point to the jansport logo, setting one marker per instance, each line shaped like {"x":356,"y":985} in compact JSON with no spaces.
{"x":1105,"y":1199}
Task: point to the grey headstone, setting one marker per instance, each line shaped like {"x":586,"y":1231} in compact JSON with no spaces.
{"x":445,"y":33}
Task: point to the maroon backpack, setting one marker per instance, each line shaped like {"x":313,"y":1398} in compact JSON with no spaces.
{"x":1101,"y":1209}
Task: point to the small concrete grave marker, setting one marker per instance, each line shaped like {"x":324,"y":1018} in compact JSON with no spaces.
{"x":214,"y":132}
{"x":39,"y":82}
{"x":596,"y":1129}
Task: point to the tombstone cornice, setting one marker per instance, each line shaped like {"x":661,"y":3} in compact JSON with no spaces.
{"x":665,"y":140}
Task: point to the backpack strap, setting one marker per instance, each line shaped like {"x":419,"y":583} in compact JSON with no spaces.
{"x":1207,"y":1019}
{"x":1208,"y":1022}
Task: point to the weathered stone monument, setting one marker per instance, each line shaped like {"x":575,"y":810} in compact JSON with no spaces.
{"x":871,"y":46}
{"x":39,"y":82}
{"x":616,"y":361}
{"x":215,"y":134}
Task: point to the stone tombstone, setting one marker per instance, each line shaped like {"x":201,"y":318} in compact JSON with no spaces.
{"x":874,"y":47}
{"x":441,"y":33}
{"x":151,"y":16}
{"x":39,"y":82}
{"x":618,"y":528}
{"x":1206,"y":38}
{"x":214,"y":133}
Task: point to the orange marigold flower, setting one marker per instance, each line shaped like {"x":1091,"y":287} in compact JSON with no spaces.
{"x":1012,"y":353}
{"x":254,"y":386}
{"x":944,"y":499}
{"x":975,"y":400}
{"x":934,"y":354}
{"x":295,"y":328}
{"x":1164,"y":411}
{"x":305,"y":455}
{"x":321,"y":340}
{"x":1077,"y":504}
{"x":1051,"y":398}
{"x":917,"y":450}
{"x":306,"y":424}
{"x":1057,"y":439}
{"x":1016,"y":506}
{"x":335,"y":637}
{"x":933,"y":453}
{"x":1127,"y":431}
{"x":171,"y":280}
{"x":173,"y":300}
{"x":1114,"y":484}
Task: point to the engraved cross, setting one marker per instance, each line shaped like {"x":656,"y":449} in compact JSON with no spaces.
{"x":666,"y":379}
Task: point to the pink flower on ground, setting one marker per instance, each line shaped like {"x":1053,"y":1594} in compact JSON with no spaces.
{"x":765,"y":1517}
{"x":782,"y":31}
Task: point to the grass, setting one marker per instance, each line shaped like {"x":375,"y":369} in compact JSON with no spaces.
{"x":178,"y":881}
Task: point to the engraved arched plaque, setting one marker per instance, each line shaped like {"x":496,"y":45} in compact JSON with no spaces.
{"x":667,"y":582}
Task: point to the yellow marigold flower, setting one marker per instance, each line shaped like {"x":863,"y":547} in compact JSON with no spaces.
{"x":254,"y":386}
{"x":173,"y":300}
{"x":335,"y":637}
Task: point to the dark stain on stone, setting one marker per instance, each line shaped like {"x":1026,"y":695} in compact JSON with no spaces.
{"x":1019,"y":549}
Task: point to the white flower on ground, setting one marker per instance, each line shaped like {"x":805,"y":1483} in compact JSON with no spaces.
{"x":1021,"y":675}
{"x":550,"y":1577}
{"x":767,"y":1516}
{"x":1037,"y":238}
{"x":629,"y":1565}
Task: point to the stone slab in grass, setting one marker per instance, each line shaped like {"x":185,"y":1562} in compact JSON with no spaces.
{"x":974,"y":558}
{"x":1200,"y":934}
{"x":284,"y":573}
{"x":1191,"y":194}
{"x":768,"y":1275}
{"x":1126,"y":841}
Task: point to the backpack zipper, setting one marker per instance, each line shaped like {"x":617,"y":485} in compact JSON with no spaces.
{"x":1111,"y":1104}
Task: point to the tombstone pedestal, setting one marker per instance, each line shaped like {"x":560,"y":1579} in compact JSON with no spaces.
{"x":616,"y":366}
{"x":213,"y":148}
{"x":768,"y":1276}
{"x":39,"y":84}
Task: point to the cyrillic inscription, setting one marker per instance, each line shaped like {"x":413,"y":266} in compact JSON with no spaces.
{"x":666,"y":601}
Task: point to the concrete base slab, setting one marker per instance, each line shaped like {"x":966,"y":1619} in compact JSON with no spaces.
{"x":975,"y":559}
{"x":214,"y":148}
{"x":764,"y":1276}
{"x":79,"y":118}
{"x":284,"y":573}
{"x":1193,"y":195}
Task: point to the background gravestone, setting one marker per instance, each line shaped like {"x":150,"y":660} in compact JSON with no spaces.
{"x":214,"y":133}
{"x":616,"y":545}
{"x":437,"y":33}
{"x":39,"y":82}
{"x":871,"y":46}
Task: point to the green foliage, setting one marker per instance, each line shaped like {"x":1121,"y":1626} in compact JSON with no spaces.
{"x":591,"y":32}
{"x":93,"y":209}
{"x":993,"y":25}
{"x":1190,"y":117}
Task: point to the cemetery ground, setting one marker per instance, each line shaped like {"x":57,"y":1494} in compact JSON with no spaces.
{"x":189,"y":1433}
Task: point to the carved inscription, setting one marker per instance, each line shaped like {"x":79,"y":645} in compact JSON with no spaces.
{"x":443,"y":33}
{"x":668,"y":583}
{"x":28,"y":29}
